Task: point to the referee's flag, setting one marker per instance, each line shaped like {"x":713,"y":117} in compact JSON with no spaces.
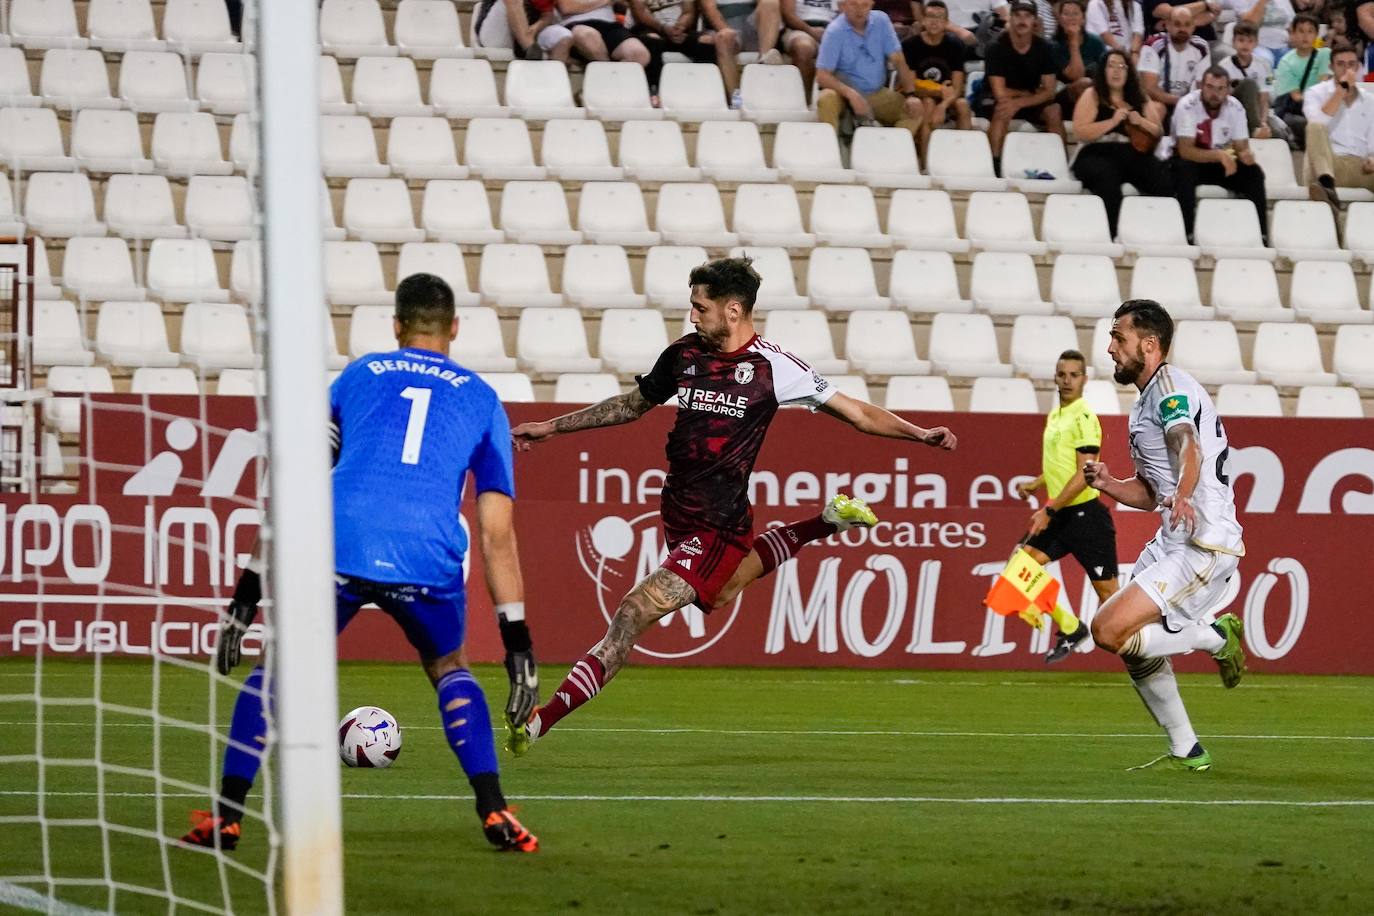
{"x":1023,"y":588}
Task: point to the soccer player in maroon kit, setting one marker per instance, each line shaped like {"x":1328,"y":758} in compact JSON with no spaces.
{"x":729,"y":383}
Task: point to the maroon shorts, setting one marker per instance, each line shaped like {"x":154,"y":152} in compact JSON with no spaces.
{"x":705,"y":558}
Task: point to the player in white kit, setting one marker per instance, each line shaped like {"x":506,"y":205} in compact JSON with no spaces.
{"x":1179,"y":449}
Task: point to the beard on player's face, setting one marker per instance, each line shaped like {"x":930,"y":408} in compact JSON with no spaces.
{"x":1129,"y":365}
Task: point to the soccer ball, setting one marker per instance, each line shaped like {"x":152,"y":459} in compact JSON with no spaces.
{"x":369,"y":737}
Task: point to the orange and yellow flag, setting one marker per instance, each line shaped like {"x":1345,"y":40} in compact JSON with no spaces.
{"x":1024,"y":588}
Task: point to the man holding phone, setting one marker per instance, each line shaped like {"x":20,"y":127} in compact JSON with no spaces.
{"x":1340,"y":130}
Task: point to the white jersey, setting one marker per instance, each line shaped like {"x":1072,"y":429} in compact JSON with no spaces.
{"x":1173,"y":397}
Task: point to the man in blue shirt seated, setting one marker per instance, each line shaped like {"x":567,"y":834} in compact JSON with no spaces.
{"x":851,"y":71}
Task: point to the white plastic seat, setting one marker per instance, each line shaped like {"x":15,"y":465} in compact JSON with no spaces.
{"x":1276,"y":159}
{"x":965,"y":346}
{"x":773,"y":94}
{"x":57,"y":336}
{"x":1037,"y":341}
{"x":75,"y":79}
{"x":691,"y":214}
{"x":919,"y":392}
{"x":1359,"y":231}
{"x":43,"y":287}
{"x":881,"y":343}
{"x":140,"y":207}
{"x":1001,"y":221}
{"x":842,"y":280}
{"x":1247,"y":290}
{"x":465,"y":89}
{"x":1077,"y":224}
{"x":122,"y":25}
{"x":1005,"y":283}
{"x":1098,"y":357}
{"x":241,"y":383}
{"x":1154,"y":226}
{"x":332,"y":101}
{"x":729,"y":151}
{"x":1172,"y":282}
{"x":516,"y":276}
{"x":694,"y":92}
{"x":1238,"y":400}
{"x":458,"y":211}
{"x":183,"y":271}
{"x":378,"y":210}
{"x":1033,"y":152}
{"x":1306,"y":231}
{"x":810,"y":152}
{"x":329,"y":228}
{"x":1210,"y":350}
{"x":16,"y":91}
{"x":768,"y":215}
{"x":536,"y":212}
{"x":540,"y":90}
{"x":499,"y":148}
{"x":961,"y":160}
{"x":99,"y":268}
{"x":245,"y":271}
{"x":348,"y":148}
{"x":598,"y":277}
{"x":353,"y":274}
{"x":1102,"y":398}
{"x":428,"y":30}
{"x":511,"y":387}
{"x":924,"y":282}
{"x":422,"y":148}
{"x":371,"y":329}
{"x":64,"y":413}
{"x":1289,"y":355}
{"x":133,"y":334}
{"x":651,"y":151}
{"x":216,"y":336}
{"x":617,"y":91}
{"x":847,"y":215}
{"x":552,"y":340}
{"x":631,"y":339}
{"x":31,"y":140}
{"x":479,"y":344}
{"x":806,"y":335}
{"x":186,"y":144}
{"x":1085,"y":285}
{"x":44,"y":24}
{"x":1324,"y":292}
{"x":197,"y":27}
{"x":578,"y":151}
{"x":150,"y":380}
{"x":442,"y":259}
{"x":353,"y":28}
{"x":60,"y":205}
{"x":1230,"y":229}
{"x":1329,"y":402}
{"x":154,"y":81}
{"x":108,"y":141}
{"x":666,"y":269}
{"x":885,"y":157}
{"x":243,"y":144}
{"x":1352,"y":358}
{"x":613,"y":213}
{"x":585,"y":387}
{"x":854,"y":386}
{"x":219,"y":208}
{"x":388,"y":87}
{"x":225,"y":83}
{"x":924,"y":220}
{"x":1003,"y":395}
{"x":778,"y":286}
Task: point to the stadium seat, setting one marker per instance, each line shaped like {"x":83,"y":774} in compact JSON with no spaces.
{"x":1230,"y":229}
{"x":219,"y":209}
{"x":1005,"y":283}
{"x":479,"y":345}
{"x":442,"y":259}
{"x":924,"y":282}
{"x":885,"y":157}
{"x":806,"y":335}
{"x":732,"y":151}
{"x":216,"y":336}
{"x":847,"y":215}
{"x":1003,"y":395}
{"x":196,"y":27}
{"x":768,"y":215}
{"x":1306,"y":231}
{"x":241,"y":383}
{"x":515,"y":276}
{"x":30,"y":140}
{"x":774,"y":94}
{"x":1237,"y":400}
{"x":598,"y":277}
{"x":225,"y":83}
{"x":75,"y":79}
{"x":612,"y":213}
{"x":854,"y":386}
{"x":1037,"y":341}
{"x":1001,"y":221}
{"x":694,"y":92}
{"x":58,"y":339}
{"x":1359,"y":231}
{"x":37,"y":24}
{"x":348,"y":148}
{"x":919,"y":392}
{"x":1153,"y":226}
{"x":378,"y":210}
{"x":1210,"y":350}
{"x":458,"y":211}
{"x":652,"y":151}
{"x":1276,"y":159}
{"x":1247,"y":290}
{"x":186,"y":144}
{"x":536,"y":212}
{"x":108,"y":141}
{"x":965,"y":346}
{"x":1102,"y":397}
{"x":842,"y":280}
{"x":1329,"y":402}
{"x":578,"y":151}
{"x":881,"y":343}
{"x":353,"y":274}
{"x":585,"y":387}
{"x":465,"y":89}
{"x":809,"y":152}
{"x":691,"y":214}
{"x":539,"y":90}
{"x":924,"y":220}
{"x":1077,"y":224}
{"x":16,"y":91}
{"x":133,"y":334}
{"x":1027,"y":154}
{"x":1324,"y":292}
{"x":43,"y":287}
{"x":499,"y":148}
{"x":64,"y":414}
{"x":329,"y":228}
{"x":1098,"y":357}
{"x":420,"y":148}
{"x":245,"y":270}
{"x":151,"y":81}
{"x":1289,"y":355}
{"x":388,"y":87}
{"x":353,"y":28}
{"x":99,"y":268}
{"x":666,"y":268}
{"x":60,"y":205}
{"x":1172,"y":282}
{"x":1353,"y":355}
{"x":778,"y":286}
{"x":428,"y":30}
{"x":122,"y":25}
{"x":617,"y":91}
{"x":550,"y":341}
{"x":371,"y":329}
{"x":961,"y":160}
{"x":243,"y":144}
{"x":140,"y":207}
{"x":184,"y":271}
{"x":632,"y":339}
{"x":332,"y":101}
{"x":150,"y":380}
{"x":510,"y":387}
{"x":1085,"y":285}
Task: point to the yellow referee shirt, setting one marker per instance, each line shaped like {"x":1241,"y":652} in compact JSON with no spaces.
{"x":1067,"y":429}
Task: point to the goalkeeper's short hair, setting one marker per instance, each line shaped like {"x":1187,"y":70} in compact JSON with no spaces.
{"x":424,"y":305}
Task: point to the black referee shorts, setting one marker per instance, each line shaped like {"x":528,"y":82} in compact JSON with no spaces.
{"x":1086,"y":531}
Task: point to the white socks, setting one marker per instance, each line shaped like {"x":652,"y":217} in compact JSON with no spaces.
{"x":1154,"y":641}
{"x":1155,"y":682}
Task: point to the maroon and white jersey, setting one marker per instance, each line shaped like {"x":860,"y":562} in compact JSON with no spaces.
{"x":725,"y":402}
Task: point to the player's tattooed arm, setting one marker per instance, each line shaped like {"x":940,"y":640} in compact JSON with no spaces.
{"x":875,"y":421}
{"x":1183,"y":441}
{"x":622,"y":408}
{"x":1135,"y":492}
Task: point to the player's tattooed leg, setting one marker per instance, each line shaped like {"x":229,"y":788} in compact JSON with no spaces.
{"x":658,"y":594}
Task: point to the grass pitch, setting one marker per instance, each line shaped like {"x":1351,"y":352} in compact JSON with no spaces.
{"x":750,"y":791}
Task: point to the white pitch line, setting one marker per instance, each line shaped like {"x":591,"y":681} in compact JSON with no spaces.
{"x":26,"y":899}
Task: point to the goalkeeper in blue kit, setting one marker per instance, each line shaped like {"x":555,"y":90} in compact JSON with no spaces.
{"x":409,"y":425}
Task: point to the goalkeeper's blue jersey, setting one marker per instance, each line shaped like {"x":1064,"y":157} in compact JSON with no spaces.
{"x":411,"y":425}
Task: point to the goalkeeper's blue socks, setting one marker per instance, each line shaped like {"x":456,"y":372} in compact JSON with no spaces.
{"x":467,"y":726}
{"x":247,"y":743}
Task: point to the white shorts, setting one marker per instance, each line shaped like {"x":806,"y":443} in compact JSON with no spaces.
{"x":1185,"y":582}
{"x":495,"y":32}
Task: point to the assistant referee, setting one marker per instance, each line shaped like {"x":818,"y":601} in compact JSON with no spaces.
{"x":1073,"y":520}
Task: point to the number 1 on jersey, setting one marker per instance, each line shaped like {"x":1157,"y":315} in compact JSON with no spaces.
{"x":415,"y":429}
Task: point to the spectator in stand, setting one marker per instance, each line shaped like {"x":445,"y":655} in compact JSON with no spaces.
{"x":1118,"y":127}
{"x":936,"y":59}
{"x":753,"y":25}
{"x":1170,"y":65}
{"x":1119,"y":23}
{"x":1205,"y":12}
{"x":804,"y":23}
{"x":1340,"y":130}
{"x":851,"y":72}
{"x":671,"y":25}
{"x":598,"y":34}
{"x":235,"y":10}
{"x":982,"y":23}
{"x":1272,"y":17}
{"x":1021,"y":80}
{"x":905,"y":16}
{"x":1250,"y":75}
{"x":1046,"y":19}
{"x":1077,"y":53}
{"x":1300,"y":70}
{"x":1213,"y":147}
{"x":528,"y":27}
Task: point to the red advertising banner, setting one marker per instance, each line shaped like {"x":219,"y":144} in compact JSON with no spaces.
{"x":139,"y":559}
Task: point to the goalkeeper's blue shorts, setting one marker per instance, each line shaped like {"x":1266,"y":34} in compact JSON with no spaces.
{"x":434,"y":620}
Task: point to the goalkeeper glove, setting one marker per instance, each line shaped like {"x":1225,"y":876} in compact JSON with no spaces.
{"x":243,"y":608}
{"x":522,"y":670}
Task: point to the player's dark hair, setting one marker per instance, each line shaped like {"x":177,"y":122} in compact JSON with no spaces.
{"x":937,"y":4}
{"x":1246,"y":28}
{"x":1216,"y":71}
{"x":728,"y":278}
{"x":1074,"y":355}
{"x":1308,"y":18}
{"x":1344,"y":47}
{"x":1150,"y":318}
{"x":424,"y":305}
